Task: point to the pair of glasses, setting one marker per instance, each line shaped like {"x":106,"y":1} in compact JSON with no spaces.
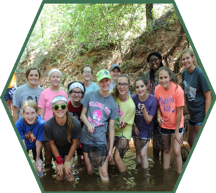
{"x":122,"y":84}
{"x":155,"y":60}
{"x":87,"y":72}
{"x":56,"y":107}
{"x":74,"y":93}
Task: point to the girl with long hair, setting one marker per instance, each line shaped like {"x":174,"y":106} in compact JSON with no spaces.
{"x":197,"y":93}
{"x":63,"y":132}
{"x":126,"y":113}
{"x":146,"y":106}
{"x":170,"y":97}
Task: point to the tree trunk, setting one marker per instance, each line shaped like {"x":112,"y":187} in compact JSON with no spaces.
{"x":149,"y":16}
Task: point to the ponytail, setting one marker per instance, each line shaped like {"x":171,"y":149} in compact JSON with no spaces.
{"x":69,"y":126}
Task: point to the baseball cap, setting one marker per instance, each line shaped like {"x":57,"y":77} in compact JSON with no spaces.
{"x":115,"y":66}
{"x":103,"y":74}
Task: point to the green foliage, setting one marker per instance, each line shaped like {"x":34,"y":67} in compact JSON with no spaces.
{"x":80,"y":28}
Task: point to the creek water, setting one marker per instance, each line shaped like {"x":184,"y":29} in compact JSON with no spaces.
{"x":155,"y":178}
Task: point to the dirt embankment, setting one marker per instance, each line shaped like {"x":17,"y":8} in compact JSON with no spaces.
{"x":165,"y":35}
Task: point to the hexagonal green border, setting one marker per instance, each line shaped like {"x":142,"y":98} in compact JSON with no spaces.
{"x":99,"y":1}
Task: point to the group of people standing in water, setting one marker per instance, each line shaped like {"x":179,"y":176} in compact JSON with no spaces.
{"x":105,"y":111}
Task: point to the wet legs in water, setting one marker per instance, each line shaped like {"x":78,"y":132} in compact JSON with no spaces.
{"x":118,"y":161}
{"x":176,"y":152}
{"x":141,"y":156}
{"x":69,"y":176}
{"x":102,"y":170}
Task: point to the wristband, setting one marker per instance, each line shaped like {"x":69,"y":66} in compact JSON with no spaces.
{"x":67,"y":163}
{"x":59,"y":160}
{"x":158,"y":116}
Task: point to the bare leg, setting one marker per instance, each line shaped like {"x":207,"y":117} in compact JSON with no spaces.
{"x":191,"y":135}
{"x":119,"y":162}
{"x":143,"y":155}
{"x":90,"y":169}
{"x":103,"y":171}
{"x":166,"y":158}
{"x":177,"y":153}
{"x":138,"y":158}
{"x":197,"y":128}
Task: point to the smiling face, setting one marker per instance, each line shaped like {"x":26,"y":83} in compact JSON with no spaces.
{"x":188,"y":60}
{"x":165,"y":79}
{"x":55,"y":79}
{"x":30,"y":115}
{"x":122,"y":85}
{"x":60,"y":113}
{"x":154,"y":62}
{"x":104,"y":84}
{"x":87,"y":73}
{"x":76,"y":94}
{"x":33,"y":78}
{"x":115,"y":73}
{"x":141,"y":88}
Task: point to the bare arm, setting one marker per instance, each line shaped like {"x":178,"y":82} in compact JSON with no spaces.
{"x":15,"y":114}
{"x":41,"y":112}
{"x":208,"y":100}
{"x":85,"y":120}
{"x":38,"y":149}
{"x":111,"y":137}
{"x":148,"y":118}
{"x":72,"y":150}
{"x":24,"y":142}
{"x":54,"y":148}
{"x":178,"y":118}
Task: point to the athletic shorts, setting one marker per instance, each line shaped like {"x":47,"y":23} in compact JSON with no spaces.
{"x":9,"y":93}
{"x":194,"y":124}
{"x":63,"y":154}
{"x":170,"y":131}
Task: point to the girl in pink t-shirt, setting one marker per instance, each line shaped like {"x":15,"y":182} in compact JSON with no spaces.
{"x":45,"y":105}
{"x":170,"y":97}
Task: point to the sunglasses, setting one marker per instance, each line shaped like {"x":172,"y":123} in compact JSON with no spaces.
{"x":56,"y":107}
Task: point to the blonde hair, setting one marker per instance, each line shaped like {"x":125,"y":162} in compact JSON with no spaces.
{"x":30,"y":103}
{"x":187,"y":50}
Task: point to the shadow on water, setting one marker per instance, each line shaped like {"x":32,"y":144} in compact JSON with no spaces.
{"x":155,"y":178}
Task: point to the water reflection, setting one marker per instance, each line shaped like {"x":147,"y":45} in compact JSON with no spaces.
{"x":155,"y":178}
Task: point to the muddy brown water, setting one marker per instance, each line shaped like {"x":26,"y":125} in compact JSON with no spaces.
{"x":155,"y":178}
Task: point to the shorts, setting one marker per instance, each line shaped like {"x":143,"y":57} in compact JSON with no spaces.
{"x":170,"y":131}
{"x":62,"y":155}
{"x":194,"y":124}
{"x":79,"y":151}
{"x":9,"y":93}
{"x":85,"y":147}
{"x":34,"y":154}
